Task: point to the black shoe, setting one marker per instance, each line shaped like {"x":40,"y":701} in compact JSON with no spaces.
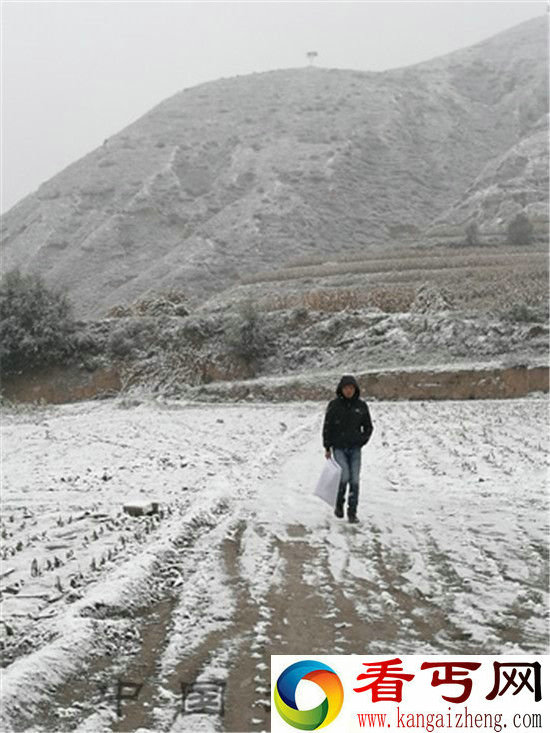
{"x":352,"y":519}
{"x":339,"y":512}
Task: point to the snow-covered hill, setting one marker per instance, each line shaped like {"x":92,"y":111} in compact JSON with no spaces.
{"x":247,"y":173}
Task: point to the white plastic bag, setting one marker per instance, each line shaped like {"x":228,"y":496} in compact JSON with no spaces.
{"x":329,"y":480}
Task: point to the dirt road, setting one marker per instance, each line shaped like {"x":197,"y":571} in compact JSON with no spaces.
{"x":183,"y":610}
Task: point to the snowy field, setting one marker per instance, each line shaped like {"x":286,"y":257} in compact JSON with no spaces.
{"x":242,"y":562}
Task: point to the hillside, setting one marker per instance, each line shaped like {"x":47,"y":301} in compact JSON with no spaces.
{"x":508,"y":185}
{"x":247,"y":174}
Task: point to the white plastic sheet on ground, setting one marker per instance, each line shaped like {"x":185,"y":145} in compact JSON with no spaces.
{"x":327,"y":486}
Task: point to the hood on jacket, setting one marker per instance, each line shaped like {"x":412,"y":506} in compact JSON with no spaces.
{"x":348,"y":379}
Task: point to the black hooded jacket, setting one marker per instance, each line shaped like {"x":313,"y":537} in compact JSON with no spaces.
{"x":347,"y":421}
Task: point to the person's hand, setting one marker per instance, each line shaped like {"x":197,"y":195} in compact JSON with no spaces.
{"x":327,"y":453}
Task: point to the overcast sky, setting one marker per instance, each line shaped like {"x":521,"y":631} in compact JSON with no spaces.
{"x":74,"y":73}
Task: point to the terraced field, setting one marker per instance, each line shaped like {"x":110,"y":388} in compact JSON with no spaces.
{"x":469,"y":278}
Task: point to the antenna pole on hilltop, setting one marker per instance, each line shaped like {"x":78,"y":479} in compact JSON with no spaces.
{"x":311,"y":56}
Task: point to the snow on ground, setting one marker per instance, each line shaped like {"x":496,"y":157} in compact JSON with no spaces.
{"x":243,"y":561}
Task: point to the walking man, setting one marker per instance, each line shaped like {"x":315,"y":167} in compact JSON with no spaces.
{"x":346,"y":429}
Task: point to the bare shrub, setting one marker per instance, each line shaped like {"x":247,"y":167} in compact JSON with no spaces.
{"x":472,"y":234}
{"x":128,"y":339}
{"x":519,"y":230}
{"x":172,"y":302}
{"x":246,"y":336}
{"x":36,"y":323}
{"x":522,"y":313}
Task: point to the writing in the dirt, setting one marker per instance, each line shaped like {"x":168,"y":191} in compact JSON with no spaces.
{"x":197,"y":697}
{"x":203,"y":697}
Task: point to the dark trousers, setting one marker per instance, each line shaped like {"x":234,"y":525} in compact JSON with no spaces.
{"x":350,"y":461}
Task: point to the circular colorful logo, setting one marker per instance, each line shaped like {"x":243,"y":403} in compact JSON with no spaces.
{"x":285,"y":695}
